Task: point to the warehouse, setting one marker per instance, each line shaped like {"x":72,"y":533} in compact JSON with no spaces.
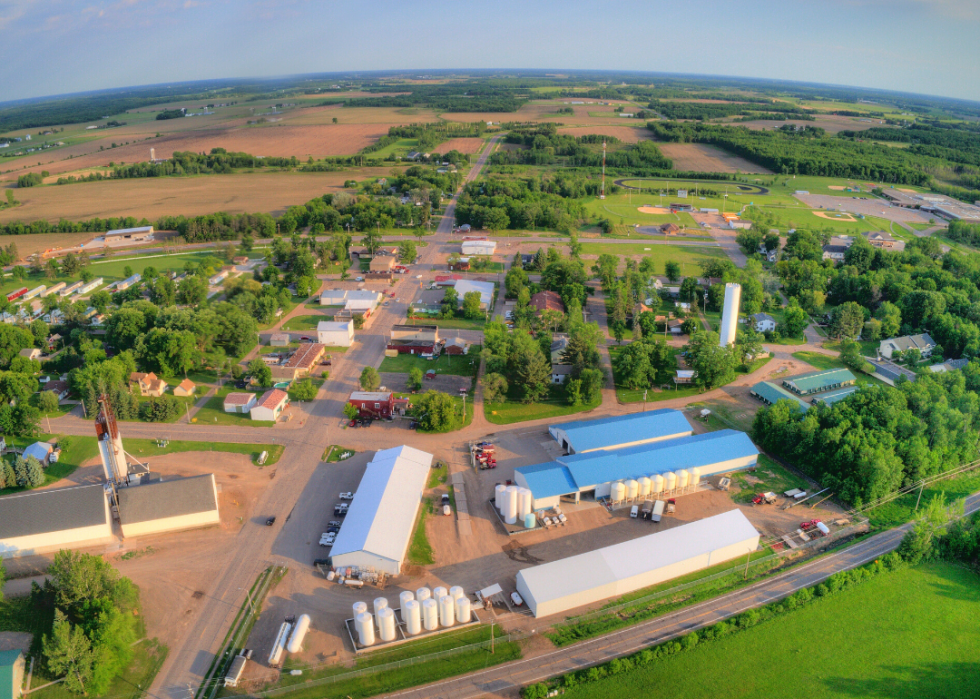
{"x":335,"y":333}
{"x":47,"y":520}
{"x":592,"y":474}
{"x":819,"y":381}
{"x":478,"y":246}
{"x":140,"y":233}
{"x":620,"y":431}
{"x":381,"y":519}
{"x":569,"y":583}
{"x":166,"y":506}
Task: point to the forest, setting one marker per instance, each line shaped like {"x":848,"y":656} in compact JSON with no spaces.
{"x":957,"y":143}
{"x":500,"y":204}
{"x":543,"y":145}
{"x":462,"y":96}
{"x":700,"y":110}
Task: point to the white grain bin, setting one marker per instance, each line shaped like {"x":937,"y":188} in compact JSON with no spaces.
{"x":530,"y":520}
{"x":632,"y":489}
{"x":379,"y":604}
{"x":618,"y":492}
{"x":422,"y":594}
{"x":439,"y":592}
{"x":403,"y":599}
{"x":412,"y":616}
{"x":463,"y":610}
{"x":695,"y":476}
{"x":456,"y":592}
{"x":499,"y":497}
{"x":658,"y":485}
{"x":510,"y":505}
{"x":645,"y":486}
{"x":683,"y":478}
{"x":447,"y":611}
{"x":359,"y":608}
{"x":523,"y":503}
{"x":430,"y":614}
{"x":299,"y":633}
{"x":365,"y":629}
{"x":671,"y":481}
{"x":386,"y":625}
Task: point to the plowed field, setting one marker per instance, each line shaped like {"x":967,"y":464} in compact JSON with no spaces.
{"x":463,"y":145}
{"x":699,"y":157}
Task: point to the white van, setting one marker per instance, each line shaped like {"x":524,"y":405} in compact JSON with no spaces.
{"x":634,"y":511}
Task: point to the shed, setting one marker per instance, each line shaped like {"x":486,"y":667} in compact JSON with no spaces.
{"x":279,"y":340}
{"x":166,"y":506}
{"x":185,"y":388}
{"x":819,"y":381}
{"x":335,"y":333}
{"x":47,"y":520}
{"x":41,"y":451}
{"x":239,"y":402}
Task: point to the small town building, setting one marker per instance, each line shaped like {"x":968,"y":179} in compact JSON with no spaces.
{"x":923,"y":343}
{"x":670,"y":229}
{"x":42,"y":451}
{"x":270,"y":406}
{"x":171,"y":505}
{"x":559,"y":343}
{"x":58,"y":388}
{"x":374,"y":404}
{"x":239,"y":402}
{"x":414,"y":339}
{"x":763,"y":322}
{"x":304,"y":359}
{"x":485,"y":289}
{"x":147,"y":384}
{"x":39,"y":521}
{"x":185,"y":388}
{"x":560,"y":373}
{"x":456,"y":345}
{"x":620,"y":431}
{"x":381,"y":264}
{"x":478,"y":246}
{"x":428,"y":301}
{"x":279,"y":339}
{"x":547,"y":300}
{"x":335,"y":333}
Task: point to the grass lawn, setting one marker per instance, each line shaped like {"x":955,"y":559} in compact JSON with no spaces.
{"x":150,"y":447}
{"x":301,"y":323}
{"x":452,"y":365}
{"x":449,"y":323}
{"x":213,"y":412}
{"x":774,"y":477}
{"x":74,"y":452}
{"x":420,"y":550}
{"x":688,"y":257}
{"x":555,"y":405}
{"x":851,"y":644}
{"x":822,"y":362}
{"x":148,"y":657}
{"x":333,"y":452}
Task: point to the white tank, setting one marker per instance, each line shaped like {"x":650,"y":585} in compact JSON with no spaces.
{"x":412,"y":616}
{"x":359,"y":608}
{"x":386,"y":625}
{"x":645,"y":486}
{"x":695,"y":476}
{"x":729,"y":315}
{"x":430,"y":614}
{"x":658,"y":485}
{"x":499,"y":496}
{"x":422,"y":594}
{"x":299,"y":633}
{"x":523,"y":503}
{"x":632,"y":489}
{"x":439,"y":592}
{"x":671,"y":481}
{"x":510,"y":505}
{"x":404,"y":598}
{"x":447,"y":611}
{"x":365,"y":629}
{"x":618,"y":492}
{"x":683,"y":478}
{"x":456,"y":592}
{"x":379,"y":604}
{"x":463,"y":610}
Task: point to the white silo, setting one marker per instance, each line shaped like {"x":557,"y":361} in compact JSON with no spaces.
{"x":462,"y":610}
{"x":695,"y":476}
{"x":430,"y":614}
{"x":499,"y":497}
{"x":365,"y":629}
{"x":632,"y":489}
{"x":447,"y":611}
{"x":523,"y":503}
{"x":510,"y":505}
{"x":439,"y":592}
{"x":379,"y":604}
{"x":729,"y":316}
{"x":658,"y":485}
{"x":683,"y":478}
{"x":456,"y":592}
{"x":359,"y":608}
{"x":422,"y":594}
{"x":386,"y":625}
{"x":618,"y":492}
{"x":403,"y":599}
{"x":412,"y":616}
{"x":645,"y":486}
{"x":671,"y":481}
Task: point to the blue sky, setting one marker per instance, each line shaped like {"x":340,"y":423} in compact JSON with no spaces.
{"x":59,"y":46}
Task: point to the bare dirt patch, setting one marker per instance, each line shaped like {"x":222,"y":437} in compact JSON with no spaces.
{"x":30,"y":244}
{"x":626,"y":134}
{"x":700,"y":157}
{"x":463,"y":145}
{"x":835,"y":217}
{"x":653,"y":210}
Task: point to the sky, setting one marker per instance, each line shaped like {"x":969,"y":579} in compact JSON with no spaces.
{"x":51,"y":47}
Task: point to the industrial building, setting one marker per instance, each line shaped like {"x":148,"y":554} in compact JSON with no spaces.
{"x":46,"y":520}
{"x":569,"y":583}
{"x":139,"y":233}
{"x":381,"y":519}
{"x":594,"y":473}
{"x":335,"y":333}
{"x":166,"y":506}
{"x":620,"y":430}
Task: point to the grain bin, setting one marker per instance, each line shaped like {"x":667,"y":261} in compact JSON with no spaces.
{"x":403,"y":599}
{"x":530,"y":521}
{"x":645,"y":486}
{"x":523,"y":503}
{"x":618,"y":492}
{"x":412,"y":616}
{"x":632,"y":489}
{"x":439,"y":592}
{"x":359,"y":608}
{"x":463,"y":610}
{"x":695,"y":476}
{"x":671,"y":481}
{"x":386,"y":625}
{"x":379,"y":604}
{"x":456,"y":592}
{"x":422,"y":594}
{"x":447,"y":611}
{"x":499,"y":497}
{"x":430,"y":614}
{"x":658,"y":484}
{"x":365,"y":629}
{"x":683,"y":478}
{"x":299,"y":633}
{"x":510,"y":505}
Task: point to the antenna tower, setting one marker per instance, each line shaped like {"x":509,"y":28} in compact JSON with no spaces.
{"x":602,"y":192}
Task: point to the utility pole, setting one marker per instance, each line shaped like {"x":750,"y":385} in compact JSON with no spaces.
{"x":747,"y":557}
{"x":922,"y":485}
{"x":491,"y":636}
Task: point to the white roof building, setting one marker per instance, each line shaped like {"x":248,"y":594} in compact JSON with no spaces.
{"x":354,"y":300}
{"x":335,"y":333}
{"x":568,"y":583}
{"x":485,"y":289}
{"x":381,"y":519}
{"x":478,"y":246}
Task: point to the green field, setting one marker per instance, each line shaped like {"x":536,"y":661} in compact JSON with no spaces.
{"x":688,"y":257}
{"x":909,"y":633}
{"x":304,"y":323}
{"x":512,"y":410}
{"x":74,"y":452}
{"x":452,"y":365}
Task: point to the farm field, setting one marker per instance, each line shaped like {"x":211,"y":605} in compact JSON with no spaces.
{"x":829,"y":122}
{"x":909,"y":633}
{"x":626,"y":134}
{"x":30,"y":244}
{"x":701,"y":157}
{"x":463,"y":145}
{"x":688,"y":257}
{"x":152,"y":198}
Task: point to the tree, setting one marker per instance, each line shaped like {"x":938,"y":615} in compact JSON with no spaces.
{"x":515,"y":280}
{"x":530,"y":371}
{"x":672,"y":270}
{"x":606,"y":269}
{"x":592,"y":381}
{"x":415,"y":378}
{"x":471,"y":305}
{"x":891,"y":319}
{"x":846,"y":321}
{"x":689,"y":289}
{"x":70,"y":265}
{"x":69,"y":653}
{"x":450,"y":302}
{"x":260,"y":372}
{"x":192,"y":290}
{"x":407,"y":252}
{"x":496,"y":219}
{"x":749,"y":240}
{"x":850,"y":355}
{"x":169,"y":352}
{"x":435,"y":411}
{"x":303,"y":390}
{"x":100,"y":300}
{"x":40,"y":331}
{"x":77,"y":577}
{"x":633,"y":366}
{"x":370,"y":379}
{"x":351,"y":411}
{"x":795,"y":320}
{"x":713,"y":365}
{"x":494,"y":388}
{"x":163,"y":291}
{"x":372,"y":239}
{"x":47,"y":402}
{"x":306,"y":286}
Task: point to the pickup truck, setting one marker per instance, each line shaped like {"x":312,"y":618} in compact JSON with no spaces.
{"x":671,"y":506}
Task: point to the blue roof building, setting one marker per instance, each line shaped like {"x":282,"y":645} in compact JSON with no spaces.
{"x":620,"y":430}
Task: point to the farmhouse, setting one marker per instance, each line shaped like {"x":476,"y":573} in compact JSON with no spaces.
{"x":763,"y":322}
{"x":335,"y":333}
{"x":270,"y":406}
{"x":147,"y":384}
{"x":47,"y":520}
{"x":923,"y":343}
{"x":381,"y":519}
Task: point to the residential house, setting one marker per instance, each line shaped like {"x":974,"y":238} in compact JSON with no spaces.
{"x":381,"y":264}
{"x":30,"y":353}
{"x":58,"y":388}
{"x":951,"y":365}
{"x":239,"y":402}
{"x":147,"y":384}
{"x":43,"y":452}
{"x":428,"y":301}
{"x":560,"y":373}
{"x":763,"y":322}
{"x":559,"y":343}
{"x":279,"y":339}
{"x":185,"y":388}
{"x":547,"y":300}
{"x":674,"y":326}
{"x":922,"y":342}
{"x":270,"y":406}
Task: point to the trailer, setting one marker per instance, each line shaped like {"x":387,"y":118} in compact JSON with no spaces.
{"x":237,"y":668}
{"x":658,"y":511}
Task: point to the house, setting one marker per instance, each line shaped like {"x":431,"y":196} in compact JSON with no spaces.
{"x":361,"y":301}
{"x":559,"y":343}
{"x":763,"y":322}
{"x":185,"y":388}
{"x":218,"y":278}
{"x":301,"y":362}
{"x":456,"y":345}
{"x":951,"y":365}
{"x":43,"y":452}
{"x":670,"y":229}
{"x":414,"y":339}
{"x":527,"y":261}
{"x":58,"y":388}
{"x":240,"y":260}
{"x":428,"y":301}
{"x":239,"y":402}
{"x":279,"y":340}
{"x":381,"y":264}
{"x":684,"y":376}
{"x":923,"y":343}
{"x":54,"y":340}
{"x":30,"y":353}
{"x":147,"y":384}
{"x":547,"y":300}
{"x":884,"y":240}
{"x":485,"y":289}
{"x":465,"y":228}
{"x":335,"y":333}
{"x":270,"y":406}
{"x":560,"y":373}
{"x":373,"y":403}
{"x":835,"y":251}
{"x":674,"y":326}
{"x":460,"y":265}
{"x":11,"y":673}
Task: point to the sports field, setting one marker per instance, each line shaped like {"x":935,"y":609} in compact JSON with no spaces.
{"x":911,"y":633}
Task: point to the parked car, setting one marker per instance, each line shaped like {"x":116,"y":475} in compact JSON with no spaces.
{"x":333,"y":530}
{"x":352,"y":423}
{"x":516,"y":599}
{"x":269,"y":522}
{"x":241,"y":384}
{"x":358,"y":279}
{"x":445,"y":498}
{"x":447,"y":510}
{"x":333,"y":523}
{"x":346,"y":496}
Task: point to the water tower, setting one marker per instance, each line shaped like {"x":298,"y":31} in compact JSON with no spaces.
{"x":729,"y":317}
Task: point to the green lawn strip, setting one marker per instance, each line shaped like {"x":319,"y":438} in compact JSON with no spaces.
{"x":448,"y":323}
{"x":304,"y":323}
{"x":150,"y":447}
{"x":902,"y":509}
{"x":213,"y":413}
{"x":331,"y":454}
{"x":78,"y":451}
{"x":555,"y":405}
{"x":448,"y":364}
{"x":437,"y":477}
{"x":928,"y":649}
{"x":823,"y":362}
{"x":420,"y":550}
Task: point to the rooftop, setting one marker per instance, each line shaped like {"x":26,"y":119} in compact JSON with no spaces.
{"x":305,"y":356}
{"x":547,"y":300}
{"x":370,"y":395}
{"x":831,"y":397}
{"x":171,"y":498}
{"x":816,"y":381}
{"x":46,"y":511}
{"x":272,"y":398}
{"x":239,"y":398}
{"x":606,"y":432}
{"x":772,"y":393}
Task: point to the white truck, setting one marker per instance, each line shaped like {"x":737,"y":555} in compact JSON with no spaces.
{"x":658,"y":511}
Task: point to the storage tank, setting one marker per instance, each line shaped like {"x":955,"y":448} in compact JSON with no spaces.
{"x":447,"y":611}
{"x":359,"y":608}
{"x":632,"y":489}
{"x":645,"y":486}
{"x":510,"y":505}
{"x":658,"y":484}
{"x":523,"y":502}
{"x":456,"y":592}
{"x":499,"y":497}
{"x":365,"y":629}
{"x":403,"y":599}
{"x":670,"y":481}
{"x":695,"y":476}
{"x":430,"y":614}
{"x":386,"y":625}
{"x":618,"y":492}
{"x":379,"y":604}
{"x":299,"y":633}
{"x":412,"y":616}
{"x":439,"y":592}
{"x":530,"y":521}
{"x":463,"y":610}
{"x":422,"y":594}
{"x":683,"y":478}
